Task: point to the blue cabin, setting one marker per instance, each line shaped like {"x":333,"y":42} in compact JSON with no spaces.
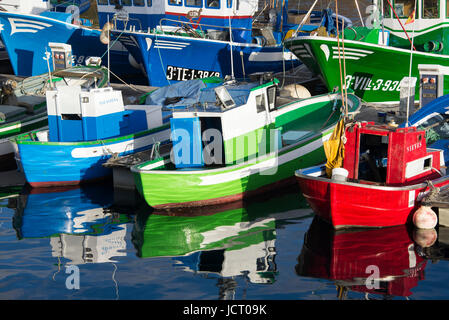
{"x":79,"y":115}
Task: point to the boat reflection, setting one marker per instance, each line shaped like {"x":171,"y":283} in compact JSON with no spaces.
{"x":382,"y":261}
{"x":223,"y":242}
{"x":76,"y":219}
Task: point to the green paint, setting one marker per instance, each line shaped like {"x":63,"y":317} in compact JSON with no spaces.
{"x":167,"y":185}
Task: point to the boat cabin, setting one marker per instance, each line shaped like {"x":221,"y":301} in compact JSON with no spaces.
{"x":390,"y":156}
{"x":211,"y":18}
{"x":230,"y":123}
{"x":429,"y":14}
{"x":75,"y":114}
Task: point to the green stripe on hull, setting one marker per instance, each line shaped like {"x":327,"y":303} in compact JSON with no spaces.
{"x":25,"y":126}
{"x":372,"y":71}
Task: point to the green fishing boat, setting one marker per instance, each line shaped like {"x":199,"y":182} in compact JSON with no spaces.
{"x":236,"y":141}
{"x":376,"y":57}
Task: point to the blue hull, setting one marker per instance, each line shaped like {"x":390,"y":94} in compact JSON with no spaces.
{"x":169,"y":59}
{"x":26,"y":39}
{"x":70,"y":163}
{"x":45,"y":213}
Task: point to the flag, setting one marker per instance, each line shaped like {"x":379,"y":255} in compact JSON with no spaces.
{"x":411,"y":18}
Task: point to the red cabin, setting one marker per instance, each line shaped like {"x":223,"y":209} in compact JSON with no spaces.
{"x":370,"y":147}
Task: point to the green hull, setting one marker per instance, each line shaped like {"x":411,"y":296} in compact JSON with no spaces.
{"x":373,"y":71}
{"x":163,"y":186}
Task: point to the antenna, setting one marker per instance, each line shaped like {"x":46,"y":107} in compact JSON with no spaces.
{"x":410,"y":69}
{"x":109,"y":41}
{"x":230,"y":43}
{"x":47,"y":57}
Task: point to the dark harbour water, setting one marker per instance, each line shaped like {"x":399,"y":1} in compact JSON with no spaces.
{"x":87,"y":243}
{"x":90,"y":243}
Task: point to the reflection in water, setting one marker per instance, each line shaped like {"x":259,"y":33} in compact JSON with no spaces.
{"x":227,"y":242}
{"x":76,"y":219}
{"x":380,"y":261}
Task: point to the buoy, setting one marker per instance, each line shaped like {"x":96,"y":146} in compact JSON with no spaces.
{"x":425,"y":237}
{"x":425,"y":218}
{"x":104,"y":35}
{"x":296,"y":91}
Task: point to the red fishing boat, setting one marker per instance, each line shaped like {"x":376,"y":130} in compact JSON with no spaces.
{"x":382,"y":261}
{"x":389,"y":171}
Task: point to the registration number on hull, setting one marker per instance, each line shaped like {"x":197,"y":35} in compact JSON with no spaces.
{"x":184,"y":74}
{"x":365,"y":83}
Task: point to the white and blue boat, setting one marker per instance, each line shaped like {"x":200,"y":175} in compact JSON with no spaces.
{"x":85,"y":129}
{"x":27,"y":30}
{"x":179,"y":40}
{"x":434,"y":118}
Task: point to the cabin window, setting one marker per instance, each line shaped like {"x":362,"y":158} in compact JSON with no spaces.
{"x":271,"y":93}
{"x":139,"y":3}
{"x":174,"y":2}
{"x":150,"y":3}
{"x":103,"y":2}
{"x":260,"y":103}
{"x":126,"y":2}
{"x":430,"y":9}
{"x":213,"y":4}
{"x":229,"y":3}
{"x":404,"y":8}
{"x":387,"y":9}
{"x":194,"y":3}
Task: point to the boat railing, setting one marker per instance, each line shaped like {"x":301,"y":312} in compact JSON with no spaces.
{"x":124,"y":17}
{"x":190,"y":26}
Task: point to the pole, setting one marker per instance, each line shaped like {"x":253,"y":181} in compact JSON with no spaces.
{"x":109,"y":41}
{"x":410,"y":70}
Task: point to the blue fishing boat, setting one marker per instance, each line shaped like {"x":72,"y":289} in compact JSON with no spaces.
{"x":26,"y":37}
{"x":433,"y":118}
{"x":85,"y":129}
{"x":213,"y":37}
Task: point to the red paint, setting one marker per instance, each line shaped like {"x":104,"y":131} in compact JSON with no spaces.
{"x":64,"y":183}
{"x":367,"y":203}
{"x":207,"y":16}
{"x":350,"y":257}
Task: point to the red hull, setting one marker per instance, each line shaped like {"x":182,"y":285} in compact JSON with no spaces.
{"x":351,"y":257}
{"x":359,"y":205}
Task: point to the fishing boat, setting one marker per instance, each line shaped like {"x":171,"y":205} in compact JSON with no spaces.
{"x":214,"y":37}
{"x":27,"y":31}
{"x":377,"y":56}
{"x":379,"y":182}
{"x":385,"y":262}
{"x":254,"y":138}
{"x":86,"y":128}
{"x":433,"y":118}
{"x":24,"y":104}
